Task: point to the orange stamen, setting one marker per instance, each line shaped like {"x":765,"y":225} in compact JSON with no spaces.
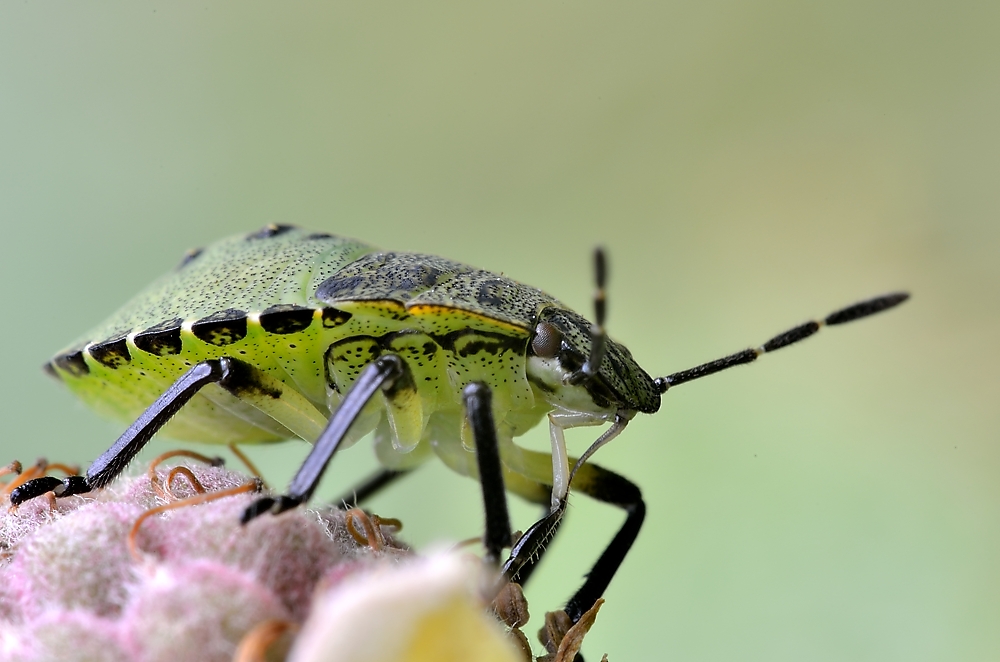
{"x":468,"y":542}
{"x":368,"y":537}
{"x":133,"y":544}
{"x":372,"y":525}
{"x":154,"y":479}
{"x":36,"y":470}
{"x":187,"y":473}
{"x":388,"y":521}
{"x":254,"y":471}
{"x":12,"y":468}
{"x":69,"y":470}
{"x":256,"y":642}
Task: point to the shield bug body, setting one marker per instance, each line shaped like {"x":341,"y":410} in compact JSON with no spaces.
{"x":285,"y":332}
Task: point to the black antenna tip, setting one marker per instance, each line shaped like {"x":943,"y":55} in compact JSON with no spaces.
{"x":600,"y":266}
{"x":866,"y":308}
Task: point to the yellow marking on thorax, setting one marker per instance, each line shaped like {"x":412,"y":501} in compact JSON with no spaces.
{"x":434,"y":319}
{"x":433,"y":310}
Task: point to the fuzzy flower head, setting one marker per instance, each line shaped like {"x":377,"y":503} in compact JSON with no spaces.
{"x":122,"y":575}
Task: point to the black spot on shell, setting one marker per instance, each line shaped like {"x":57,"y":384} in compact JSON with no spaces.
{"x":385,"y":276}
{"x":163,"y":339}
{"x":222,"y":328}
{"x":190,"y":256}
{"x":320,"y":235}
{"x":492,"y":293}
{"x":417,"y":277}
{"x":270,"y":230}
{"x":73,"y":363}
{"x":286,"y":318}
{"x":111,"y":353}
{"x":335,"y":286}
{"x":333,"y":317}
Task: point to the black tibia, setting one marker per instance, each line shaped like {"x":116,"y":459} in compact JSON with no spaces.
{"x":528,"y":550}
{"x":34,"y":488}
{"x":109,"y":465}
{"x":114,"y":460}
{"x":617,"y":490}
{"x":600,"y":484}
{"x":477,"y":398}
{"x":380,"y":374}
{"x":369,"y":487}
{"x":784,"y":339}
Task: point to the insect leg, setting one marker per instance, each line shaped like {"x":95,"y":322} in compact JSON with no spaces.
{"x":600,"y":484}
{"x":114,"y":460}
{"x":369,"y":487}
{"x":609,"y":487}
{"x":529,"y":549}
{"x":478,"y":400}
{"x":381,"y":374}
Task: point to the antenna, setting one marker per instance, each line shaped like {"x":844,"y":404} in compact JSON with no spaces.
{"x":789,"y":337}
{"x":598,"y":337}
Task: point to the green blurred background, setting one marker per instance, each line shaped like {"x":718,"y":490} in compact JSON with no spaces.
{"x":747,"y":166}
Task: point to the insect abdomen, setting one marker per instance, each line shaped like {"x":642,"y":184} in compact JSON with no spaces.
{"x":326,"y":354}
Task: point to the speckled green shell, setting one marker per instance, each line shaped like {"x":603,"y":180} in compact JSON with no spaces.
{"x":311,"y":309}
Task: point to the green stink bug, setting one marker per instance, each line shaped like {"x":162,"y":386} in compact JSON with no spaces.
{"x":286,"y":332}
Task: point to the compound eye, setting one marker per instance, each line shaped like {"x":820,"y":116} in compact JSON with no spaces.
{"x":547,"y":340}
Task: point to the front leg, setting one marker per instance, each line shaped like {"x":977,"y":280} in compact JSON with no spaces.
{"x":381,"y":374}
{"x":114,"y":460}
{"x":599,"y":484}
{"x":478,"y":408}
